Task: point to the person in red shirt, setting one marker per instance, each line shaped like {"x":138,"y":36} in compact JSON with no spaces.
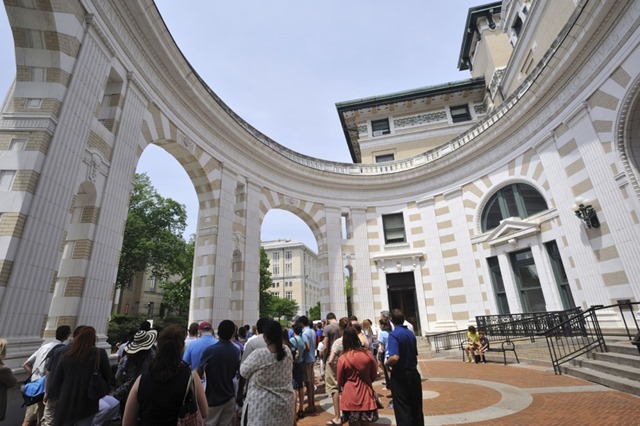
{"x":357,"y":370}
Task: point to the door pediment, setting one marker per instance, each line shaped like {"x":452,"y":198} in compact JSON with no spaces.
{"x":511,"y":230}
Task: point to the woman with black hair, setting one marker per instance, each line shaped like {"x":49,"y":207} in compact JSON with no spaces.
{"x":268,"y":371}
{"x":70,"y":384}
{"x":157,"y":395}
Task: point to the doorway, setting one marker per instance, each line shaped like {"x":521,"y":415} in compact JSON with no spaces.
{"x":524,"y":269}
{"x":401,"y":288}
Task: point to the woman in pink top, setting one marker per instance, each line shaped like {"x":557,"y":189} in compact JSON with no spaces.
{"x":357,"y":370}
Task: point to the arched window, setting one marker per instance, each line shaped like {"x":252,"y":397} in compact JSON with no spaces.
{"x":517,"y":200}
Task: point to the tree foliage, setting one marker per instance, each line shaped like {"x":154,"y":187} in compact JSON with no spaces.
{"x":266,"y":298}
{"x":283,"y":308}
{"x":177,"y":293}
{"x":314,"y":312}
{"x":153,"y":235}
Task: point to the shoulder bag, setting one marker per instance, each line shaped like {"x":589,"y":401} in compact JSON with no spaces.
{"x":376,"y":398}
{"x":189,"y":412}
{"x":98,"y":386}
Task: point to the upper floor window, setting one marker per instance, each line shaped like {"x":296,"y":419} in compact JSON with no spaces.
{"x":517,"y":200}
{"x":287,"y":255}
{"x":393,"y":225}
{"x":276,"y":256}
{"x":460,"y":113}
{"x":380,"y":127}
{"x":384,"y":158}
{"x":517,"y":26}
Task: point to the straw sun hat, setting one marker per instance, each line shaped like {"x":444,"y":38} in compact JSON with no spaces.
{"x":142,"y":341}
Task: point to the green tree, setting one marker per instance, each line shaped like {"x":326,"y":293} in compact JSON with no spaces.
{"x":178,"y":293}
{"x":266,"y":298}
{"x":152,"y":235}
{"x":314,"y":312}
{"x":284,"y":308}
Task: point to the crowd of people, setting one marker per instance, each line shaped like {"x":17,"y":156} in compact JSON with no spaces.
{"x":261,"y":375}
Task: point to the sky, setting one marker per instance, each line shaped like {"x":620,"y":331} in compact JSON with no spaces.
{"x":283,"y":65}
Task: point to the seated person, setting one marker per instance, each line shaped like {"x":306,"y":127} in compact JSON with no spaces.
{"x":472,"y":345}
{"x":484,"y":346}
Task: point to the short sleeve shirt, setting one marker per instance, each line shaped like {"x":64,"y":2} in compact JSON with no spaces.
{"x":309,"y":336}
{"x":402,"y":342}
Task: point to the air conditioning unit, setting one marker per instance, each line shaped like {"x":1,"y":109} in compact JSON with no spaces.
{"x":378,"y":132}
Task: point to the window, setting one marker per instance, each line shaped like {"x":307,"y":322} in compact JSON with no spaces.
{"x":384,"y":158}
{"x":517,"y":200}
{"x":287,"y":255}
{"x":460,"y":113}
{"x":17,"y":144}
{"x":560,"y":275}
{"x":288,"y":268}
{"x":152,"y":284}
{"x":288,"y":295}
{"x":393,"y":225}
{"x":276,"y":256}
{"x":6,"y":179}
{"x":498,"y":286}
{"x":276,"y":269}
{"x":517,"y":27}
{"x":380,"y":127}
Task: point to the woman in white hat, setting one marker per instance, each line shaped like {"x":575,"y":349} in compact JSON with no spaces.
{"x":138,"y":356}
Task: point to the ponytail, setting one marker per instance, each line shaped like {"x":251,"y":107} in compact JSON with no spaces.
{"x":273,"y":336}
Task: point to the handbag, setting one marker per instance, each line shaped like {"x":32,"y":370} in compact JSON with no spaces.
{"x":98,"y":386}
{"x":376,"y":398}
{"x":189,"y":414}
{"x":33,"y":392}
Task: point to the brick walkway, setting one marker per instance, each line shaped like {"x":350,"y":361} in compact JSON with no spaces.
{"x":458,"y":393}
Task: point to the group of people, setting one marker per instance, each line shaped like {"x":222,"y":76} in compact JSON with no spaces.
{"x":237,"y":376}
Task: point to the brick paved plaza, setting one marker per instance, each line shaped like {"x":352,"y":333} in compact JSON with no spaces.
{"x":458,"y":393}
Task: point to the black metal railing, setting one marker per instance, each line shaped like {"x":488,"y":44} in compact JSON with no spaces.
{"x":524,"y":325}
{"x":581,"y":333}
{"x":446,"y":340}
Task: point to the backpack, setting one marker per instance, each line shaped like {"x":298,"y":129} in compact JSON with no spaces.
{"x":297,"y":354}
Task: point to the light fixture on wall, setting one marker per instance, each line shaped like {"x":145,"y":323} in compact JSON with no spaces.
{"x":587,"y":213}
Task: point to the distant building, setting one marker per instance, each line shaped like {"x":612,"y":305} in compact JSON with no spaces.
{"x":143,"y":296}
{"x":294,"y":272}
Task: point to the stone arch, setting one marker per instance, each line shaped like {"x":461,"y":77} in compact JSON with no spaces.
{"x":627,"y":135}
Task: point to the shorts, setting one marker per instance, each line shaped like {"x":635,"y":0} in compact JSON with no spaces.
{"x":330,"y":382}
{"x":34,"y":412}
{"x":298,"y":375}
{"x":309,"y":375}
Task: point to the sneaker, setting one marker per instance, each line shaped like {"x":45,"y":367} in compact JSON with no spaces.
{"x":390,"y":405}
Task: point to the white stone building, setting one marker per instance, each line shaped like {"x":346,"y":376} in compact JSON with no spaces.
{"x":97,"y":82}
{"x":295,"y":273}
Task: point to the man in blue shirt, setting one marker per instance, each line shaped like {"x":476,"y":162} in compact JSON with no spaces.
{"x":309,"y":339}
{"x":220,"y":363}
{"x":405,"y":379}
{"x":193,"y":353}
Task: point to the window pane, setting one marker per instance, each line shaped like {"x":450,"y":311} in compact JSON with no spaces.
{"x":532,"y":200}
{"x":492,"y":214}
{"x":393,"y":225}
{"x":380,"y":127}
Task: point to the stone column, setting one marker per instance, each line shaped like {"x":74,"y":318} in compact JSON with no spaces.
{"x":362,"y":295}
{"x":437,"y":299}
{"x":26,"y":298}
{"x":335,"y":266}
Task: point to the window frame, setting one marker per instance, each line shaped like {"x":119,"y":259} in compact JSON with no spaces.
{"x":459,"y":117}
{"x":386,"y":229}
{"x":383,"y":158}
{"x":383,"y":126}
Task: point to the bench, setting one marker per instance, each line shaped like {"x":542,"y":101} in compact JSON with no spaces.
{"x":505,"y":346}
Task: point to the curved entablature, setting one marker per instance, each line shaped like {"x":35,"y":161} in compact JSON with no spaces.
{"x":476,"y":137}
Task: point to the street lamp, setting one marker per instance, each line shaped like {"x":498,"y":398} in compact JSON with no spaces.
{"x":587,"y":213}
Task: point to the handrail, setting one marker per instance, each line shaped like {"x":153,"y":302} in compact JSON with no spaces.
{"x":581,"y":334}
